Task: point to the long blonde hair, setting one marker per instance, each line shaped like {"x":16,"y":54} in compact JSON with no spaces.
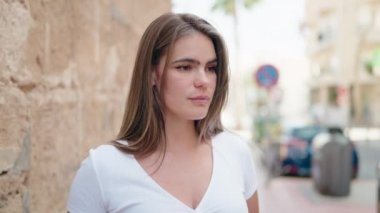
{"x":143,"y":122}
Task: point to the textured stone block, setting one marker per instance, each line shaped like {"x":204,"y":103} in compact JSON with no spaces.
{"x":65,"y":67}
{"x":13,"y":126}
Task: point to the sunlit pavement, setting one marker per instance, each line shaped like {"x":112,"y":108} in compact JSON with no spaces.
{"x":291,"y":194}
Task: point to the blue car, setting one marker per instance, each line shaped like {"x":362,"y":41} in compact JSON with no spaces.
{"x":297,"y":160}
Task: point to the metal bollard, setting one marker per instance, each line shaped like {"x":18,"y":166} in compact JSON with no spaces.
{"x":378,"y":187}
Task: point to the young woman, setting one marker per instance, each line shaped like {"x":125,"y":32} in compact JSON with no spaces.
{"x":171,"y":154}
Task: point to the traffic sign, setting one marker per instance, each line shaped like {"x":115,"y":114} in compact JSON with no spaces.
{"x":266,"y":76}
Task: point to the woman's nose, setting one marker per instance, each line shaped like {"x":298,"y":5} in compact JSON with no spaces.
{"x":202,"y":79}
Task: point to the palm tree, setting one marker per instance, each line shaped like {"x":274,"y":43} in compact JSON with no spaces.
{"x":230,"y":7}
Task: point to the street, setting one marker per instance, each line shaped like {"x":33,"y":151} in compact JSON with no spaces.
{"x":295,"y":194}
{"x":290,"y":194}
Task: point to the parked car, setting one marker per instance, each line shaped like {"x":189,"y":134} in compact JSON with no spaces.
{"x":297,"y":160}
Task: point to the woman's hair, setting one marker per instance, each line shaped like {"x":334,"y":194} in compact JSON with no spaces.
{"x":143,"y":123}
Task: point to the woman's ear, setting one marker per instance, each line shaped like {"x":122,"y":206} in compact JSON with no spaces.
{"x":154,"y":77}
{"x":157,"y":71}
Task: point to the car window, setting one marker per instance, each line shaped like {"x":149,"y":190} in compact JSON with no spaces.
{"x":306,"y":133}
{"x":333,"y":130}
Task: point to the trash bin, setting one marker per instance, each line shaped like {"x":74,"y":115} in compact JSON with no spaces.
{"x":331,"y":164}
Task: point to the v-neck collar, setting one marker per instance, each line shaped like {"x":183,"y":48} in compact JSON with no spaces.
{"x":171,"y":196}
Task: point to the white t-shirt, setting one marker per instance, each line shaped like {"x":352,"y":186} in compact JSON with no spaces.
{"x":112,"y":181}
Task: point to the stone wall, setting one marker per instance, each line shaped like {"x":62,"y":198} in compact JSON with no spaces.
{"x":65,"y":67}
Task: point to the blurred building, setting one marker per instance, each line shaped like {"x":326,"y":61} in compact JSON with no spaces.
{"x":343,"y":44}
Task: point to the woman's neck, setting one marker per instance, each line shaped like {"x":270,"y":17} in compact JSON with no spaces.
{"x":181,"y":135}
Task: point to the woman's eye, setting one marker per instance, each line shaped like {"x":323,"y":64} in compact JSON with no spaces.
{"x":211,"y":69}
{"x":183,"y":67}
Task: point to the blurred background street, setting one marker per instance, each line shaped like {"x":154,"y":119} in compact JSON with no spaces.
{"x":298,"y":194}
{"x":304,"y":93}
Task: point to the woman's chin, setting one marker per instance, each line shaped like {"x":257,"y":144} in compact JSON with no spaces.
{"x":199,"y":116}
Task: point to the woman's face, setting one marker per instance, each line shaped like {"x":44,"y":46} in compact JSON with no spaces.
{"x":190,"y":77}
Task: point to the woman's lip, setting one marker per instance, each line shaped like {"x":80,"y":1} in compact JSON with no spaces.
{"x":200,"y":98}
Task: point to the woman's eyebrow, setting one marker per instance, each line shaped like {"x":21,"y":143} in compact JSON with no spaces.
{"x":189,"y":60}
{"x":193,"y":61}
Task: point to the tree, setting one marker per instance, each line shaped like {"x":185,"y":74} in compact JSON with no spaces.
{"x":230,"y":7}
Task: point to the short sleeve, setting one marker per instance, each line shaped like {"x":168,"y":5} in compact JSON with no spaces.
{"x":249,"y":171}
{"x":85,"y":193}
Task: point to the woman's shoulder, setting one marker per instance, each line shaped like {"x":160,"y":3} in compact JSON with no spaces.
{"x":230,"y":141}
{"x":229,"y":138}
{"x":104,"y":150}
{"x":107,"y":154}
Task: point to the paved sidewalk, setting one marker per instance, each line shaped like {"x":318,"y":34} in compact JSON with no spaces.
{"x":291,"y":194}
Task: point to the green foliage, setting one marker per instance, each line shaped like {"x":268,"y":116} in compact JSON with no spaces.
{"x":229,"y":6}
{"x":369,"y":67}
{"x":374,"y":62}
{"x":249,"y":3}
